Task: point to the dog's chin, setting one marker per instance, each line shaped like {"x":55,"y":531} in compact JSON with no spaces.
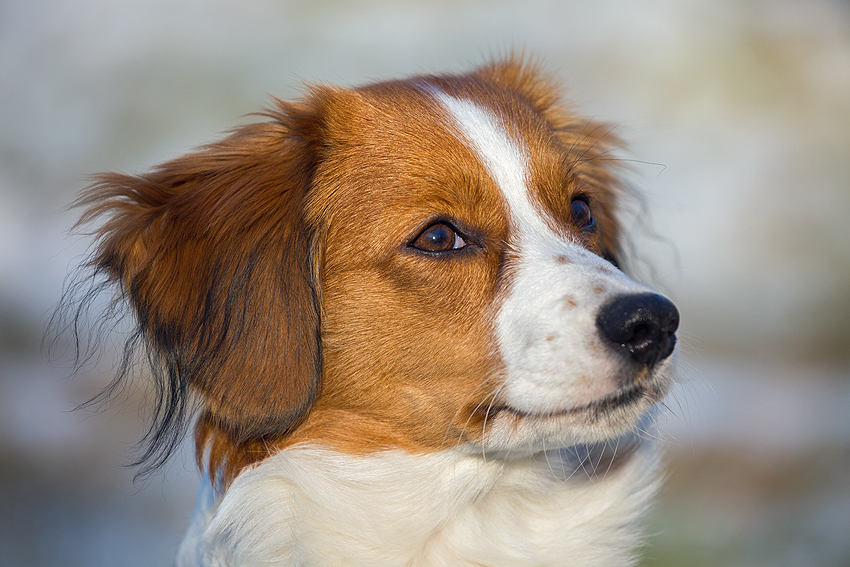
{"x":521,"y":433}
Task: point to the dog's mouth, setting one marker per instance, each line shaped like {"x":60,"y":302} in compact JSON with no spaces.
{"x":515,"y":430}
{"x":640,"y":393}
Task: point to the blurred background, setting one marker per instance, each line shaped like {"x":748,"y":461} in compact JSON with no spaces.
{"x":737,"y":114}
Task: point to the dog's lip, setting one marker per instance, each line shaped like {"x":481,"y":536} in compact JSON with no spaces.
{"x":621,"y":397}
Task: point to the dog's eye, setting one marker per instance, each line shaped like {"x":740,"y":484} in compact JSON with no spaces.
{"x":438,"y":237}
{"x":582,"y":216}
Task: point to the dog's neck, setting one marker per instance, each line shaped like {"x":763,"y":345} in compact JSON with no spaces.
{"x":309,"y":506}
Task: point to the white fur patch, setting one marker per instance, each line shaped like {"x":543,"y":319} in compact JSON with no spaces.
{"x":313,"y":507}
{"x":503,"y":159}
{"x":554,"y":358}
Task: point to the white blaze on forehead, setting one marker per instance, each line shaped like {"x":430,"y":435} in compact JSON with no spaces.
{"x":554,"y":358}
{"x":505,"y":161}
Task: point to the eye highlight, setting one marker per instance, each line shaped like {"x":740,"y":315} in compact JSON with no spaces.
{"x":582,"y":217}
{"x":439,"y":237}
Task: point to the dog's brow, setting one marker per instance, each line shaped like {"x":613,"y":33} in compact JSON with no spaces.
{"x":505,"y":161}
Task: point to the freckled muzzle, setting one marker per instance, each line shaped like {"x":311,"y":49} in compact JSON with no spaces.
{"x":643,"y":326}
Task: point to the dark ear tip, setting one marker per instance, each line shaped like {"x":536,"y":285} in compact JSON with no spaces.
{"x":251,"y":403}
{"x":275,"y":421}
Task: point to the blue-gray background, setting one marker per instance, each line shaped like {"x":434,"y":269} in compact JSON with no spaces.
{"x":737,"y":115}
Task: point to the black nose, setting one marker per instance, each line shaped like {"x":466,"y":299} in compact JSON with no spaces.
{"x":642,"y":324}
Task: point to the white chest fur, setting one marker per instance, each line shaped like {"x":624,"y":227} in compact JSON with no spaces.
{"x":308,"y":506}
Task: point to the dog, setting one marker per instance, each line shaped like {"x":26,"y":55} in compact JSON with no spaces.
{"x":394,"y":314}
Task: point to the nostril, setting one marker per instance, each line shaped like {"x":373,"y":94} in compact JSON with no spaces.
{"x":644,"y":325}
{"x":641,"y":333}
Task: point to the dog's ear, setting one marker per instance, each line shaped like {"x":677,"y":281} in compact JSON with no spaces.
{"x":215,"y":256}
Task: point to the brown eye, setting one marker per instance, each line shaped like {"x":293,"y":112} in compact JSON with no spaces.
{"x":582,"y":216}
{"x":438,"y":237}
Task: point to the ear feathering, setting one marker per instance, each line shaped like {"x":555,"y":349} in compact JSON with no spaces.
{"x":214,"y":256}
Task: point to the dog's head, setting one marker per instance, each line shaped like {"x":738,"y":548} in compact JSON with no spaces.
{"x":413,"y":264}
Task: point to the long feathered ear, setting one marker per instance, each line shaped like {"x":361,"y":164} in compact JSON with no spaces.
{"x":214,"y":254}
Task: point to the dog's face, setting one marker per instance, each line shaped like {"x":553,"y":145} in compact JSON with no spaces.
{"x":414,"y":265}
